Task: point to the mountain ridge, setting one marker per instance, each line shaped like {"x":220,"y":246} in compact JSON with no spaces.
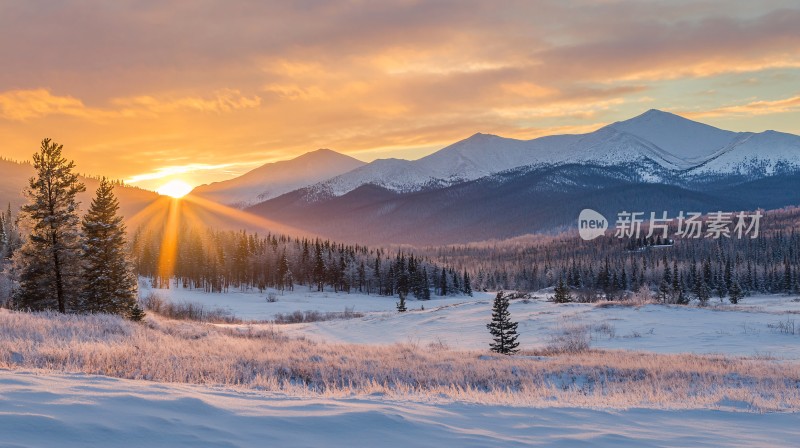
{"x":276,"y":178}
{"x":669,"y":140}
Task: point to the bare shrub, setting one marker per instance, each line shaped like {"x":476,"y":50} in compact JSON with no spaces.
{"x":635,"y":299}
{"x":784,"y":326}
{"x":186,"y":310}
{"x":152,"y":302}
{"x":299,"y":317}
{"x":587,"y":295}
{"x":438,"y":345}
{"x":518,"y":295}
{"x":570,"y":338}
{"x":272,"y":297}
{"x":605,"y":328}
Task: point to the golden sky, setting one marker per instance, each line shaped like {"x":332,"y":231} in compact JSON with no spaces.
{"x":149,"y":91}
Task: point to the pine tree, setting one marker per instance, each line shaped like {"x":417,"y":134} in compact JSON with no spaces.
{"x":137,"y":313}
{"x":47,"y":264}
{"x":319,"y":267}
{"x":703,"y":294}
{"x":401,"y":305}
{"x":787,"y":277}
{"x":561,"y":292}
{"x":735,"y":294}
{"x":502,"y":328}
{"x":676,"y":281}
{"x":109,"y":284}
{"x":443,"y":283}
{"x":284,"y":273}
{"x":664,"y":286}
{"x":425,"y":286}
{"x":467,"y":284}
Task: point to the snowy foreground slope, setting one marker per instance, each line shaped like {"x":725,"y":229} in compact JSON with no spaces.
{"x":45,"y":410}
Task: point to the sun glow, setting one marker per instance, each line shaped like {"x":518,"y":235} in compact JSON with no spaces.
{"x":175,"y":188}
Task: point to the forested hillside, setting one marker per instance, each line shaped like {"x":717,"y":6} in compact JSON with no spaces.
{"x":608,"y":266}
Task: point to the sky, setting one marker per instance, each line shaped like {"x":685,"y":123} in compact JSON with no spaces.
{"x":151,"y":91}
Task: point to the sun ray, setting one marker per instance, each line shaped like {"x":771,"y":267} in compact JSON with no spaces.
{"x":169,"y":244}
{"x":147,"y":215}
{"x":241,"y":217}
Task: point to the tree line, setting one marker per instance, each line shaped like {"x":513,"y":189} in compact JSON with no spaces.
{"x":221,"y":260}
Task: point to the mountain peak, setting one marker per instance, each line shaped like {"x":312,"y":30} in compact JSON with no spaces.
{"x":679,"y":136}
{"x":660,"y":116}
{"x":481,"y":135}
{"x":320,"y":153}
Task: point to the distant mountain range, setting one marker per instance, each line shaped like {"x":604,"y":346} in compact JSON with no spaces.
{"x":488,"y":186}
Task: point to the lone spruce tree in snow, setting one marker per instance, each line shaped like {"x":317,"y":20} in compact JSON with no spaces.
{"x":48,"y":263}
{"x":502,"y":328}
{"x":736,"y":293}
{"x":401,"y":305}
{"x":703,"y":293}
{"x":109,"y":284}
{"x":561,"y":292}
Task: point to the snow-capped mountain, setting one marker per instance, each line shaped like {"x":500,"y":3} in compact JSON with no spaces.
{"x":488,"y":187}
{"x":651,"y":142}
{"x":274,"y":179}
{"x":683,"y":139}
{"x":752,"y":154}
{"x":475,"y":157}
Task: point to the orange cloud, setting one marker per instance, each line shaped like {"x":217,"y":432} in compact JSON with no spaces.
{"x":225,"y":100}
{"x":759,"y":107}
{"x":21,"y":105}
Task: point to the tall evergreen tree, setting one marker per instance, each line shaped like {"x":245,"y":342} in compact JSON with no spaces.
{"x":319,"y":267}
{"x":425,"y":287}
{"x":47,"y":264}
{"x":467,"y":284}
{"x":502,"y":328}
{"x":284,"y":274}
{"x":109,"y":284}
{"x":735,"y":294}
{"x":703,"y":294}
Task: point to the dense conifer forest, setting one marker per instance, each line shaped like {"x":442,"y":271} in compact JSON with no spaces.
{"x":608,"y":266}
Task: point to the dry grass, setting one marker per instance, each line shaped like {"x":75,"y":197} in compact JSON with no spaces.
{"x":297,"y":317}
{"x":633,"y":299}
{"x":189,"y":352}
{"x":154,"y":303}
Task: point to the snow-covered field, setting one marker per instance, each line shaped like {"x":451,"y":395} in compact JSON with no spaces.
{"x":752,"y":328}
{"x":216,"y":386}
{"x":747,"y":330}
{"x":46,"y":410}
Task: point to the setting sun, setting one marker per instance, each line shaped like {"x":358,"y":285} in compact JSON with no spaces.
{"x":175,"y":188}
